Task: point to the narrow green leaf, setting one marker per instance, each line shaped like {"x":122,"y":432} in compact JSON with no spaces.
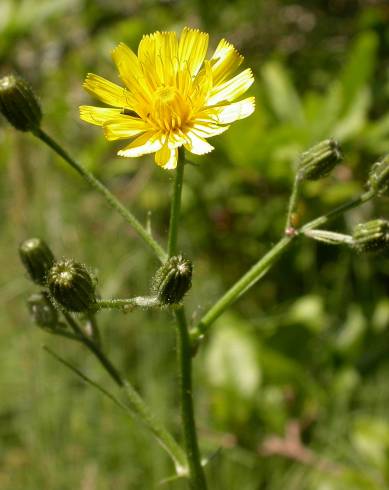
{"x":281,"y":93}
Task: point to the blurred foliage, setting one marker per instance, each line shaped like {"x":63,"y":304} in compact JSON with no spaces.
{"x":291,"y":385}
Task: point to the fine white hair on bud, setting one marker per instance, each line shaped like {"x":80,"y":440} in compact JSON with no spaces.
{"x":72,"y":286}
{"x":173,"y":280}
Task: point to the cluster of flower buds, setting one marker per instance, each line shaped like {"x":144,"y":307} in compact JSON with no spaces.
{"x":318,"y":161}
{"x":68,"y":283}
{"x":172,"y":280}
{"x":18,"y":103}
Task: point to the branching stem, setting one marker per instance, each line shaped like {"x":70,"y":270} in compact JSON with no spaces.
{"x":259,"y":269}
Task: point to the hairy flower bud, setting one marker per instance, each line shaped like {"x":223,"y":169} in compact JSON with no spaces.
{"x":379,"y":176}
{"x":372,"y":236}
{"x":43,"y":313}
{"x":71,"y":285}
{"x":172,"y":280}
{"x":318,"y":161}
{"x":19,"y":104}
{"x":37,"y":258}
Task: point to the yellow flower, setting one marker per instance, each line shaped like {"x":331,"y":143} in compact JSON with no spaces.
{"x":173,"y":95}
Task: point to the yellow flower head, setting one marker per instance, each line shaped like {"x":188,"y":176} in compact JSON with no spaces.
{"x":173,"y":95}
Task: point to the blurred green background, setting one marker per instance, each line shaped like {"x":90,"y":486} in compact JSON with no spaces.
{"x":292,"y":386}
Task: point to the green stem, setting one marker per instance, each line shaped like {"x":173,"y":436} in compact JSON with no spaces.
{"x":321,"y":220}
{"x":176,"y":203}
{"x":184,"y":355}
{"x":134,"y":400}
{"x":253,"y":275}
{"x":267,"y":261}
{"x":108,"y":366}
{"x":292,"y":204}
{"x":110,"y":198}
{"x":184,"y":358}
{"x":128,"y":303}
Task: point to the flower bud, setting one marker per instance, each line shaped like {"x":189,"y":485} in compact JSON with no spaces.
{"x":379,"y":176}
{"x":372,"y":236}
{"x":71,"y":285}
{"x":43,"y":313}
{"x":19,"y":104}
{"x":172,"y":280}
{"x":37,"y":258}
{"x":329,"y":237}
{"x":318,"y":161}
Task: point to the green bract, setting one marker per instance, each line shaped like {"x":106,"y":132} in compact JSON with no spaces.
{"x":37,"y":259}
{"x":71,"y":285}
{"x":172,"y":280}
{"x":372,"y":236}
{"x":318,"y":161}
{"x":19,"y":104}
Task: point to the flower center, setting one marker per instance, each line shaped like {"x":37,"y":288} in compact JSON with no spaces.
{"x":170,"y":110}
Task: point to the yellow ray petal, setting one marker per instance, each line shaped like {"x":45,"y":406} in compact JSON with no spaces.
{"x":232,"y":89}
{"x":108,"y":92}
{"x":166,"y":60}
{"x":225,"y":61}
{"x":146,"y":143}
{"x":166,"y":157}
{"x":202,"y":86}
{"x":192,"y":49}
{"x":147,"y":55}
{"x":130,"y":71}
{"x":197,"y":144}
{"x":232,"y":112}
{"x":97,"y":115}
{"x":157,"y":55}
{"x":206,"y":128}
{"x":122,"y":126}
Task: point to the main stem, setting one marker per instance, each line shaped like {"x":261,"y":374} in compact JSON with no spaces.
{"x":110,"y":198}
{"x":176,"y":203}
{"x":184,"y":355}
{"x":184,"y":358}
